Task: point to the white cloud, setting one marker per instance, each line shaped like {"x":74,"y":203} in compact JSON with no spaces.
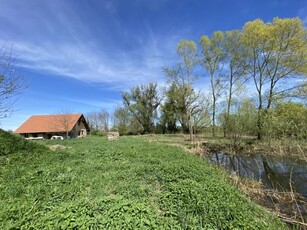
{"x":53,"y":39}
{"x":95,"y":104}
{"x":85,"y":64}
{"x":302,"y":13}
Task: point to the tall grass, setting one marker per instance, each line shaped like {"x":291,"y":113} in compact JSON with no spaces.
{"x":125,"y":184}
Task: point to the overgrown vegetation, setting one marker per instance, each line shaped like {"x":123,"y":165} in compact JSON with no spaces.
{"x":126,"y":184}
{"x":12,"y":144}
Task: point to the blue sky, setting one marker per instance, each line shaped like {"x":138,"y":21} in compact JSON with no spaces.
{"x":79,"y":55}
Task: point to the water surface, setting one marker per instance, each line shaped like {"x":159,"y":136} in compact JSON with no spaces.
{"x":280,"y":173}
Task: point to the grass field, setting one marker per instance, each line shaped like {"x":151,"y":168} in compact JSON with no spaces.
{"x":93,"y":183}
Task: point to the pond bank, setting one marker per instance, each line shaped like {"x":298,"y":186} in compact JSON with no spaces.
{"x":283,"y":174}
{"x":249,"y":146}
{"x":276,"y":178}
{"x":279,"y":183}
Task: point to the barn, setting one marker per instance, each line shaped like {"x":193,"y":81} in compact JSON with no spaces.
{"x":46,"y":126}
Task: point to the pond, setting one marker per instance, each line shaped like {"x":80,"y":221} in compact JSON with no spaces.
{"x":279,"y":173}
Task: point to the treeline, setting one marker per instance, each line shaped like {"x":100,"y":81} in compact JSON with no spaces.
{"x":257,"y":80}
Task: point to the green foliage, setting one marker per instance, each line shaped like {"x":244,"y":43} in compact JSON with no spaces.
{"x":276,"y":53}
{"x":121,"y":120}
{"x":93,"y":183}
{"x":10,"y":144}
{"x":174,"y":109}
{"x":142,"y":102}
{"x":99,"y":133}
{"x":187,"y":50}
{"x":181,"y":96}
{"x":288,"y":120}
{"x":178,"y":103}
{"x":269,"y":54}
{"x":241,"y":122}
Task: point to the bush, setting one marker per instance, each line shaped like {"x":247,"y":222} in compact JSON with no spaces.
{"x":99,"y":133}
{"x":12,"y":143}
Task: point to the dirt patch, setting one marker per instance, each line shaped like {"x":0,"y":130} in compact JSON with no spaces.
{"x":56,"y":147}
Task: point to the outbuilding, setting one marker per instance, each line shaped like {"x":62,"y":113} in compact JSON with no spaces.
{"x":46,"y":126}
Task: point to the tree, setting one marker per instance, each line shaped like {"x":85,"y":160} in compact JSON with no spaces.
{"x":286,"y":119}
{"x":99,"y":120}
{"x":277,"y":52}
{"x":170,"y":111}
{"x":62,"y":121}
{"x":182,"y":77}
{"x":121,"y":120}
{"x":235,"y":75}
{"x":11,"y":82}
{"x":241,"y":121}
{"x":200,"y":112}
{"x":104,"y":118}
{"x":213,"y":61}
{"x":94,"y":120}
{"x":142,"y":102}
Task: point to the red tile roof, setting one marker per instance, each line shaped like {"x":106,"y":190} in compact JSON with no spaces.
{"x":49,"y":123}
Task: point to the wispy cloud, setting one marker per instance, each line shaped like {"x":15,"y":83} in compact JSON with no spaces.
{"x":95,"y":104}
{"x":303,"y":15}
{"x":62,"y":44}
{"x":84,"y":64}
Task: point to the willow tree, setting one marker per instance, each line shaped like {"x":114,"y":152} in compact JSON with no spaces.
{"x":182,"y":77}
{"x":142,"y":102}
{"x":213,"y":61}
{"x":171,"y":110}
{"x":277,"y":56}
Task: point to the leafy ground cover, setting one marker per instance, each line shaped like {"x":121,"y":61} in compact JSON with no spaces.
{"x":125,"y":184}
{"x":10,"y":144}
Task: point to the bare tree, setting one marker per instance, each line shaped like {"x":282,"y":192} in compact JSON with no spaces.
{"x":11,"y":82}
{"x":62,"y":122}
{"x":99,"y":120}
{"x":94,"y":120}
{"x":104,"y":118}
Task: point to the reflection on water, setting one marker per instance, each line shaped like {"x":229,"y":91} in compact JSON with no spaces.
{"x":274,"y":172}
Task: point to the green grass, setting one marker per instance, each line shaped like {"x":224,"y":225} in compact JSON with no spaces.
{"x":10,"y":144}
{"x":127,"y":184}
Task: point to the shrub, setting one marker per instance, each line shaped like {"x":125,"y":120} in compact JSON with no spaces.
{"x":12,"y":143}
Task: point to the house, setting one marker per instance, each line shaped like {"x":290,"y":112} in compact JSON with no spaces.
{"x":46,"y":126}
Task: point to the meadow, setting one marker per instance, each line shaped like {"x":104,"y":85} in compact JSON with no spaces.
{"x":93,"y":183}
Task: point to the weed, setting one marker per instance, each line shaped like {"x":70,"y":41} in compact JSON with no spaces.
{"x":127,"y":184}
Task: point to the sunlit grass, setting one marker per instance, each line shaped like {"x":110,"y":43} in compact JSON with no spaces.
{"x":124,"y":184}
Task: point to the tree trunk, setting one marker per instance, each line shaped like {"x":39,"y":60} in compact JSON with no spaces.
{"x":226,"y":125}
{"x":259,"y":124}
{"x":190,"y":126}
{"x":213,"y":115}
